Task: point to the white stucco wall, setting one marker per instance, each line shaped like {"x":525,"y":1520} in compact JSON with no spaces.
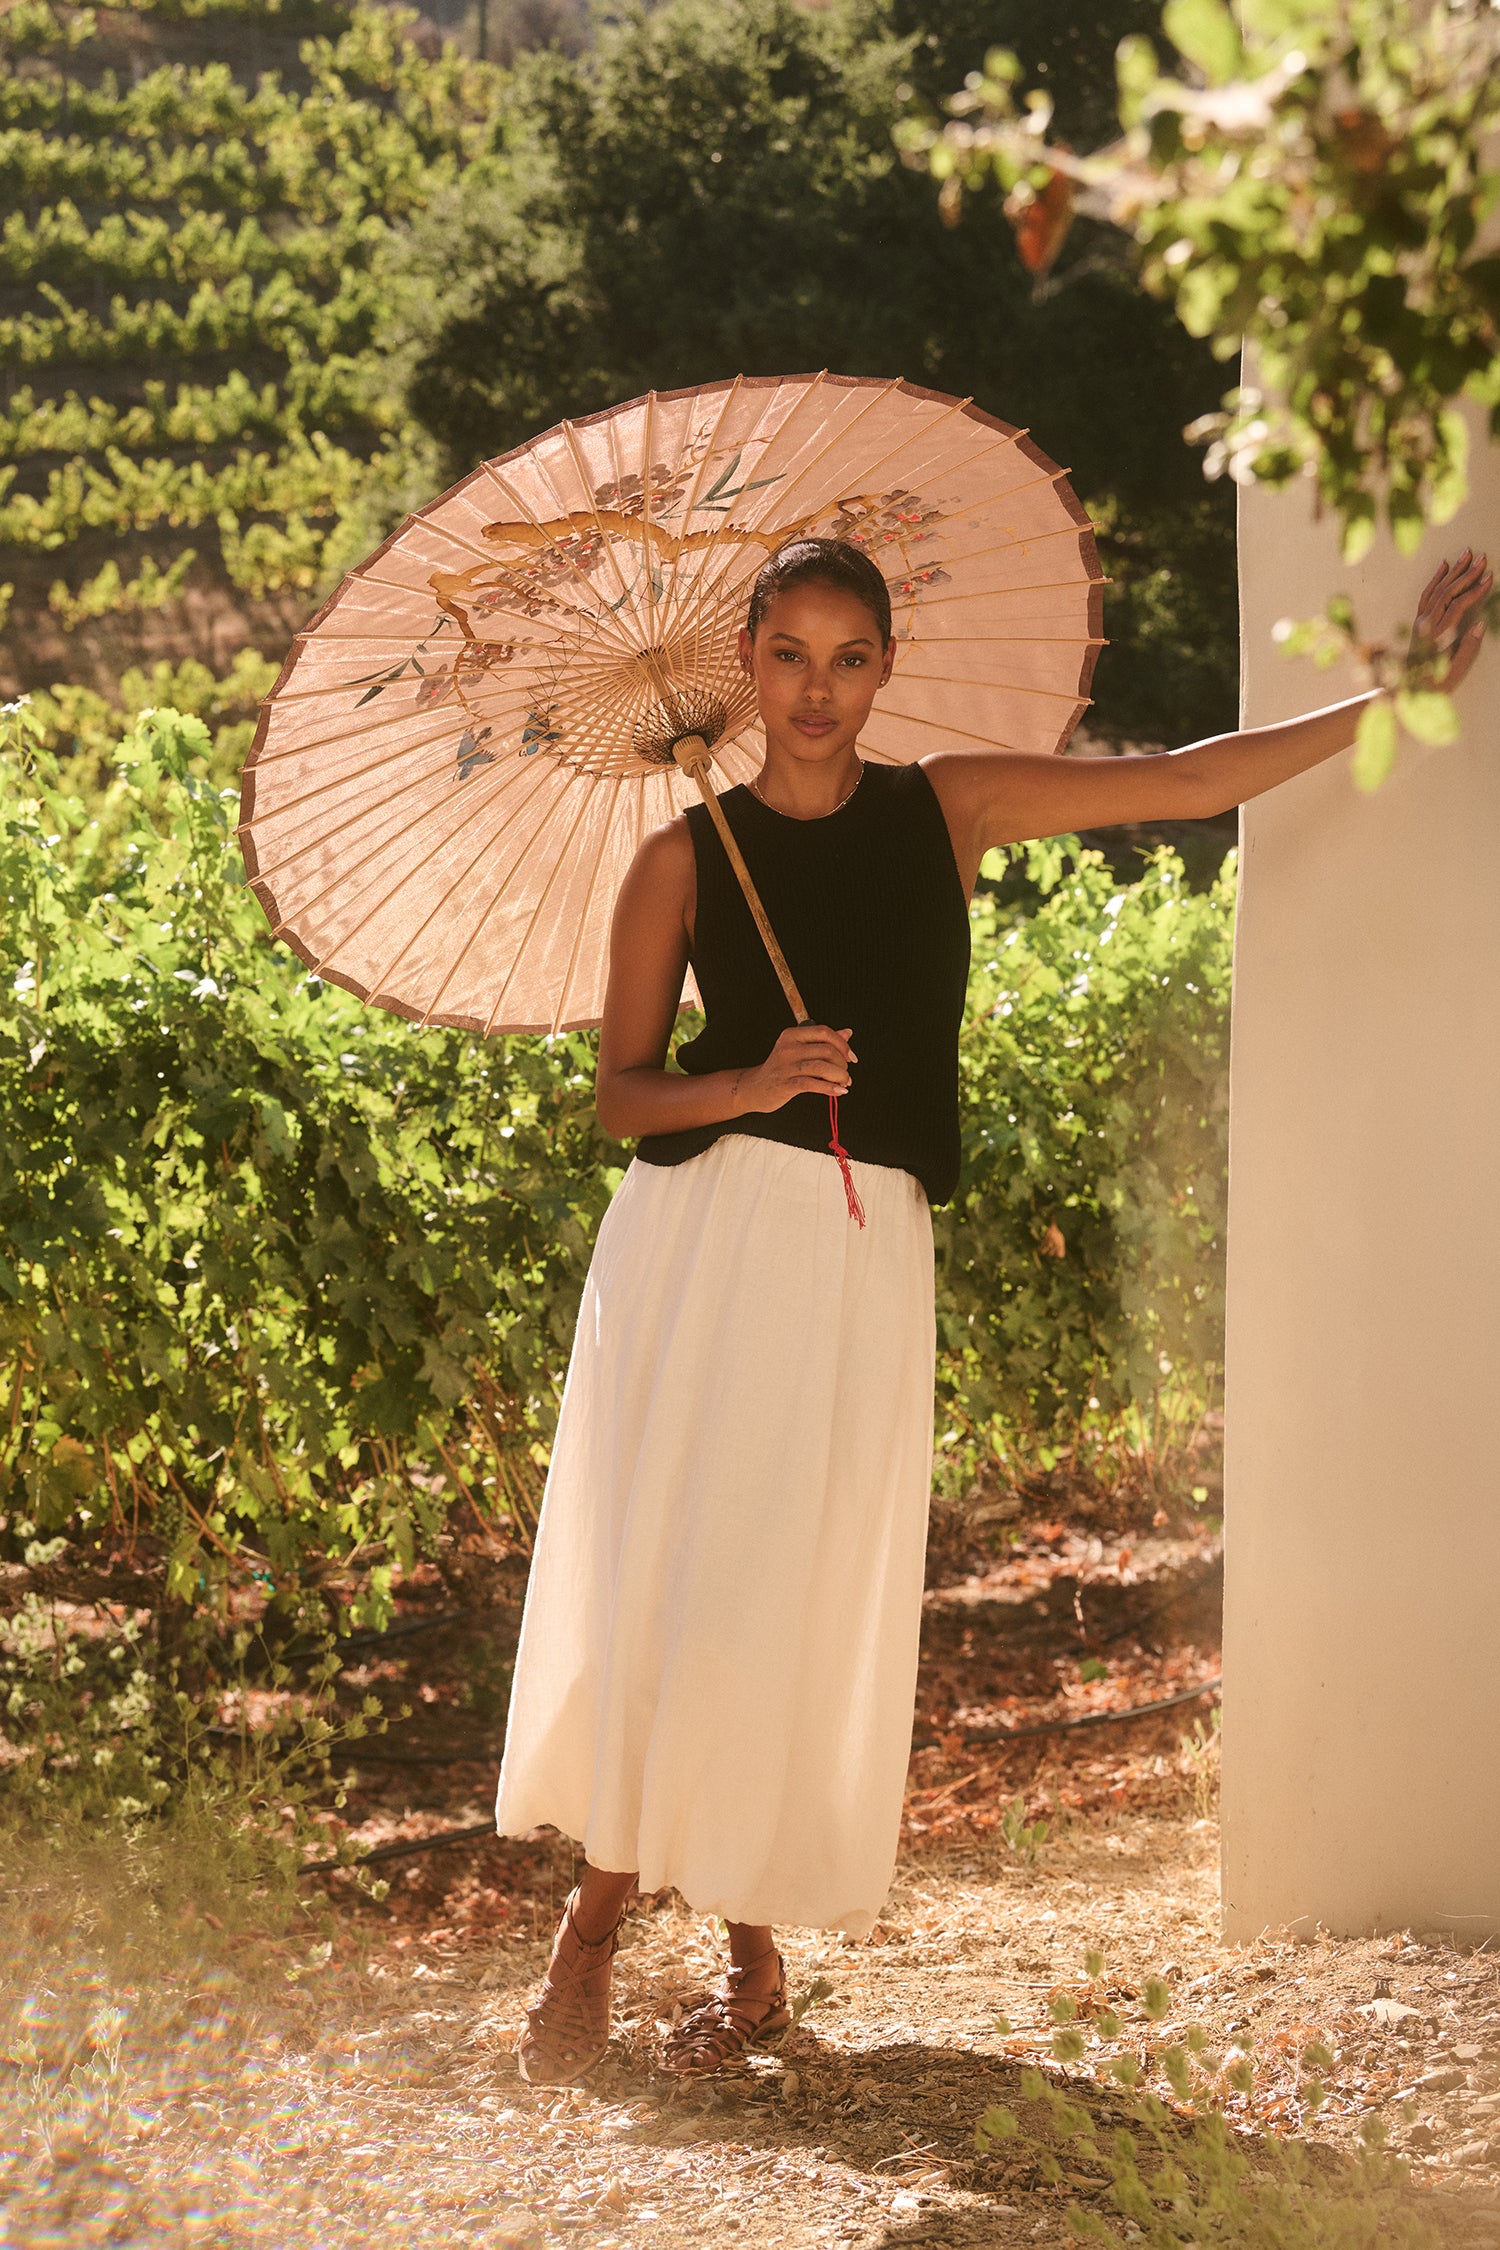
{"x":1361,"y":1784}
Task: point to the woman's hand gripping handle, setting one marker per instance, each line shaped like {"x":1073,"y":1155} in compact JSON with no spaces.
{"x":808,"y":1058}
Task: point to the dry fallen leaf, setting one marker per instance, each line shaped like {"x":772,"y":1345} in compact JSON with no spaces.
{"x":516,"y":2226}
{"x":1041,"y":218}
{"x":1386,"y":2011}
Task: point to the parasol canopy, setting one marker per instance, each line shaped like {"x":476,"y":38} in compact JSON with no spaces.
{"x":470,"y":740}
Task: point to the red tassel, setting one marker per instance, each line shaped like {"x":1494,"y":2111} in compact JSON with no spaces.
{"x":856,"y":1208}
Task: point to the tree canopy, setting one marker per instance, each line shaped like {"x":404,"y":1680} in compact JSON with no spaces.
{"x":1317,"y":179}
{"x":713,"y":189}
{"x":273,"y":272}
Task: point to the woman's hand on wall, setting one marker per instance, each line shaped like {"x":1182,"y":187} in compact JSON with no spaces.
{"x":1451,"y":618}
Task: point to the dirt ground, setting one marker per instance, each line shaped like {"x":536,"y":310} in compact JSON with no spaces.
{"x":355,"y":2082}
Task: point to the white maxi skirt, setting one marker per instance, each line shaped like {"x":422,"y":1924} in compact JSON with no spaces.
{"x":718,"y":1656}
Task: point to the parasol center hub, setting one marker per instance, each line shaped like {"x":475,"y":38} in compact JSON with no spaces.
{"x":691,"y":751}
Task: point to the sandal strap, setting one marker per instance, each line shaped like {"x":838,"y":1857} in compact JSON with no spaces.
{"x":727,"y":2022}
{"x":569,"y":2007}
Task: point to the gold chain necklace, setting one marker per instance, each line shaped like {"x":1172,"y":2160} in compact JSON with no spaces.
{"x":755,"y":791}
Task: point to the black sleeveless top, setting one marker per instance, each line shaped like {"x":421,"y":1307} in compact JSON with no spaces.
{"x":869,"y":908}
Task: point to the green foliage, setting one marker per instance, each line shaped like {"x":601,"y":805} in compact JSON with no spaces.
{"x":997,"y":2124}
{"x":1171,"y":611}
{"x":1080,"y":1267}
{"x":1200,"y":1751}
{"x":713,"y":188}
{"x":240,"y":302}
{"x":1374,"y":745}
{"x":1176,"y":2178}
{"x":1174,"y":2170}
{"x":1025,"y":1838}
{"x":819,"y":1990}
{"x":190,"y":307}
{"x":90,"y":725}
{"x":283,"y":1279}
{"x":1409,"y":679}
{"x":111,"y":1721}
{"x":1070,"y":52}
{"x":1315,"y":182}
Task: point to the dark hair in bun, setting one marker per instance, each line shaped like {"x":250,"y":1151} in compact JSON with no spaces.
{"x":822,"y":562}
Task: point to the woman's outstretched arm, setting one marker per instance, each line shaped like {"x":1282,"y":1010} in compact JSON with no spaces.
{"x":650,"y":941}
{"x":994,"y":797}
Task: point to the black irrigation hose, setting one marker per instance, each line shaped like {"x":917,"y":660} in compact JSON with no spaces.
{"x":357,"y":1752}
{"x":1067,"y":1726}
{"x":402,"y":1850}
{"x":986,"y":1734}
{"x":361,"y":1755}
{"x":370,"y":1638}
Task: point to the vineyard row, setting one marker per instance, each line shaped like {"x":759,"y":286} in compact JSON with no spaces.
{"x":279,"y":319}
{"x":313,"y":394}
{"x":309,"y":477}
{"x":135,"y":246}
{"x":369,"y":164}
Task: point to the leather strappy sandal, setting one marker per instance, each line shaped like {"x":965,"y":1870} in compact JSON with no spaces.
{"x":567,"y":2025}
{"x":725,"y":2025}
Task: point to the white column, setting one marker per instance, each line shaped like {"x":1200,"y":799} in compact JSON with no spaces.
{"x":1361,"y":1784}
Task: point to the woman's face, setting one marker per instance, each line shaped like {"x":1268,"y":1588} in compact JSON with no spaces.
{"x":816,"y":661}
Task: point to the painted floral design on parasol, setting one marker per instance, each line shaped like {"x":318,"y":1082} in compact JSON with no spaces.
{"x":468,"y":743}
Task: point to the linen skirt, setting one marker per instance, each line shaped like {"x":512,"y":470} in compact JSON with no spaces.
{"x":718,"y":1655}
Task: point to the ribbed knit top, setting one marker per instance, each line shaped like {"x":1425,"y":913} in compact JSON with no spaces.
{"x":870,"y":912}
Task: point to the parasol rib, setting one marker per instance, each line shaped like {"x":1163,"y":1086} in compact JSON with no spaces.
{"x":456,"y":884}
{"x":1024,"y":586}
{"x":405,"y":823}
{"x":588,"y":891}
{"x":546,"y":536}
{"x":648,"y":526}
{"x":581,"y":468}
{"x":533,"y":919}
{"x":823,"y":445}
{"x":522,"y":690}
{"x":543,"y":780}
{"x":676,"y":607}
{"x":482,"y":923}
{"x":377,"y":764}
{"x":934,"y":641}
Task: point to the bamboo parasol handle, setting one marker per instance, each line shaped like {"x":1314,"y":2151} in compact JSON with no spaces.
{"x":693,"y":755}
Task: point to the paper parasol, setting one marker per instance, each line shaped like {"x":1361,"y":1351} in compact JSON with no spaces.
{"x":469,"y":741}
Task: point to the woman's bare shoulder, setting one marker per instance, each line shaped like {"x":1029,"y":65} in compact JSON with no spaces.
{"x":665,"y":856}
{"x":669,"y":845}
{"x":663,"y":876}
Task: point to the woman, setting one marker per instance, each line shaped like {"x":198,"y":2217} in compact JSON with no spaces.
{"x":715,"y":1680}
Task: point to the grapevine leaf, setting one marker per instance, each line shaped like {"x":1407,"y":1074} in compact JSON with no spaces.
{"x":1203,"y":30}
{"x":1374,"y":745}
{"x":1428,"y":714}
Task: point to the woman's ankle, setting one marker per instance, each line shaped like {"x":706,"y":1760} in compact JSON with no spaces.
{"x":753,"y":1955}
{"x":598,"y":1905}
{"x":752,"y":1945}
